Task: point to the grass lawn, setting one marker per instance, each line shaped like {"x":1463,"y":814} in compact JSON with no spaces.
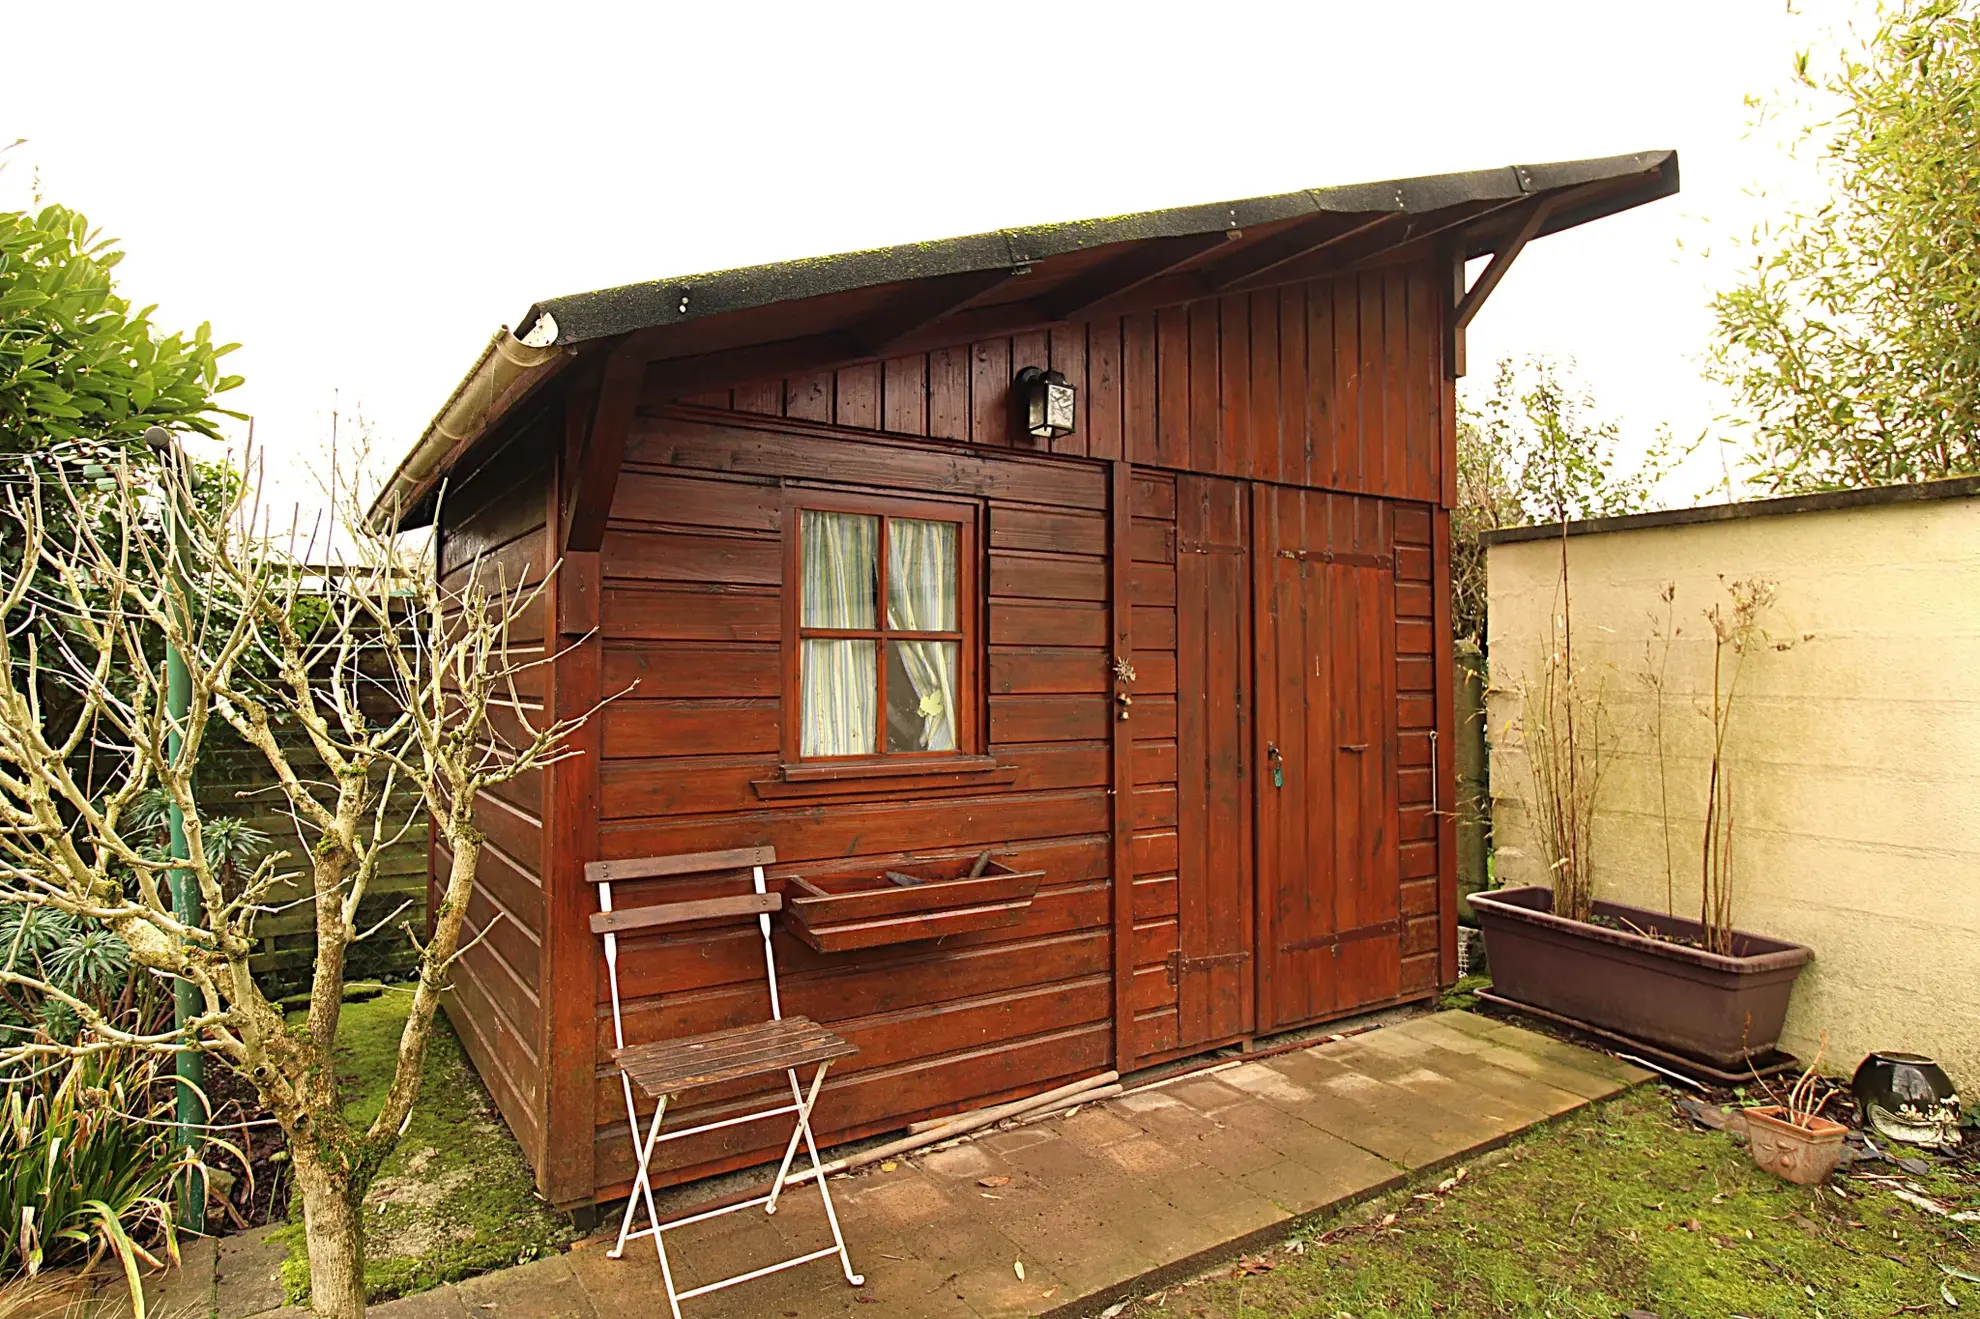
{"x":1617,"y":1210}
{"x":456,"y":1197}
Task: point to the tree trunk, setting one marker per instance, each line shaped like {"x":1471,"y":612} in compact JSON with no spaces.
{"x":333,"y":1226}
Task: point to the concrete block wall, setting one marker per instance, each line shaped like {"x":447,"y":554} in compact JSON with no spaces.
{"x":1855,"y":753}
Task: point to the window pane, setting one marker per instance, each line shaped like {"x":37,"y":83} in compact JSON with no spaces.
{"x":838,"y":692}
{"x":921,"y":696}
{"x":921,"y":575}
{"x":841,"y":554}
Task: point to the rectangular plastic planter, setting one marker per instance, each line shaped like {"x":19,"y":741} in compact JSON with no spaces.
{"x":1722,"y":1009}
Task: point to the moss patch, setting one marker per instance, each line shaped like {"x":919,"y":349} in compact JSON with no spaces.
{"x":456,"y":1198}
{"x":1617,"y":1209}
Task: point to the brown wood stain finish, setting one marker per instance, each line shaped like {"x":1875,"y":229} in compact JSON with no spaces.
{"x":1185,"y":901}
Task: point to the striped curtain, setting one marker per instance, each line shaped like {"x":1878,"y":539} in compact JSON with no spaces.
{"x":921,"y":597}
{"x":839,"y":553}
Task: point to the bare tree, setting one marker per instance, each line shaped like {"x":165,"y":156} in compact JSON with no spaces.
{"x":392,"y":677}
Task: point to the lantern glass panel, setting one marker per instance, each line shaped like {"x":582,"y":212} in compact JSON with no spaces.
{"x":1058,"y":408}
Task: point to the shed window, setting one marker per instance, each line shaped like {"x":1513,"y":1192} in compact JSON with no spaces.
{"x":883,"y":658}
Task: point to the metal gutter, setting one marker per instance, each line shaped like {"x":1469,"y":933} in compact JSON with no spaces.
{"x":507,"y":371}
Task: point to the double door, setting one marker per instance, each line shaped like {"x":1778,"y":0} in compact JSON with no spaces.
{"x":1288,"y":894}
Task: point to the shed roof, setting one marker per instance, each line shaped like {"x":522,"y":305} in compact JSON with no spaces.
{"x":704,"y":331}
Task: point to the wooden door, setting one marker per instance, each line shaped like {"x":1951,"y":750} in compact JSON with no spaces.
{"x":1212,"y":967}
{"x":1329,"y":884}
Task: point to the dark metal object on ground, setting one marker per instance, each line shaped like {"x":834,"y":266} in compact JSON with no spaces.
{"x":1772,"y":1063}
{"x":1908,"y":1097}
{"x":1642,"y":975}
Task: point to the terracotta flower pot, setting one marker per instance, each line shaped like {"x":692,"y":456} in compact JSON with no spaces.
{"x":1792,"y":1151}
{"x":1663,"y":991}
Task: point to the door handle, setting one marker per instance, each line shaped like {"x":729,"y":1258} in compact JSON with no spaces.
{"x":1356,"y":747}
{"x":1277,"y":760}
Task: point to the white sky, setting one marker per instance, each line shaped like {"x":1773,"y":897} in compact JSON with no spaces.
{"x":361,"y":193}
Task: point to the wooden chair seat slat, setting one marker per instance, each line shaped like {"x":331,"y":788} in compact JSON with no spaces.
{"x":668,"y":1067}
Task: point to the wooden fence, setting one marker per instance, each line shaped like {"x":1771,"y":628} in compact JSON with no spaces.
{"x":234,"y":780}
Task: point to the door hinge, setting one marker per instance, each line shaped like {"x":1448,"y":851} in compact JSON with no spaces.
{"x":1340,"y":557}
{"x":1175,"y":963}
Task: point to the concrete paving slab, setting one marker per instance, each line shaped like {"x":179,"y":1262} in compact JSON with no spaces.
{"x":1150,"y":1185}
{"x":440,"y":1303}
{"x":247,"y":1273}
{"x":542,"y":1289}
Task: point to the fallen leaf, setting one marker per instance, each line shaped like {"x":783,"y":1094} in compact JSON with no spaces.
{"x":1017,"y":1267}
{"x":1113,"y":1310}
{"x":1951,"y":1301}
{"x":864,"y":1299}
{"x":1255,"y":1264}
{"x":889,"y":1166}
{"x":1961,"y":1274}
{"x":998,"y":1180}
{"x":1693,"y":1225}
{"x":1388,"y":1219}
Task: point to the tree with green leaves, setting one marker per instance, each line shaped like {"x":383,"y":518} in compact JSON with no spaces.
{"x":77,"y":361}
{"x":1535,"y":452}
{"x":1852,"y":346}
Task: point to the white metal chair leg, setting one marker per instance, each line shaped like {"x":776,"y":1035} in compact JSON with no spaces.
{"x":831,"y":1215}
{"x":643,"y":1152}
{"x":804,"y":1103}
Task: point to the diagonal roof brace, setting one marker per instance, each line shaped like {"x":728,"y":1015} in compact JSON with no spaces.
{"x":1473,"y":298}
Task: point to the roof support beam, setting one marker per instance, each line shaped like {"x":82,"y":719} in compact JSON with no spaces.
{"x":1303,"y":239}
{"x":922,"y":306}
{"x":1471,"y":299}
{"x":596,"y":479}
{"x":1127,"y":272}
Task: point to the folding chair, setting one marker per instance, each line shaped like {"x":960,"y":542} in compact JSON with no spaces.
{"x":665,"y":1069}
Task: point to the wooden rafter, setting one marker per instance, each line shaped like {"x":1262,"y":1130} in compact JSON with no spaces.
{"x":1127,"y":272}
{"x":604,"y":448}
{"x":922,"y":306}
{"x":1301,"y":240}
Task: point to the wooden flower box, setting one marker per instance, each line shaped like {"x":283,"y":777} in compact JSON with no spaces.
{"x":877,"y":911}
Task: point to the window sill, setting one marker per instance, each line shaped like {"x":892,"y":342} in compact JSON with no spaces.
{"x":827,"y":780}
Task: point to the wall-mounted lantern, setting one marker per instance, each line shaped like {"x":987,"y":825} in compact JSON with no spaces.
{"x":1045,"y":403}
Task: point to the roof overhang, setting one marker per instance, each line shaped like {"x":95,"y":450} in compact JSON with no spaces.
{"x":695,"y":333}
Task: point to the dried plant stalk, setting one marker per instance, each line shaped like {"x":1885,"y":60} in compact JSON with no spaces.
{"x":1565,"y":735}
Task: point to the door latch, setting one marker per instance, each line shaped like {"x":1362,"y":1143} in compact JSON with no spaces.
{"x":1278,"y":763}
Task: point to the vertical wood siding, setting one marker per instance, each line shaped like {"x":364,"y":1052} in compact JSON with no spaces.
{"x":1332,"y":383}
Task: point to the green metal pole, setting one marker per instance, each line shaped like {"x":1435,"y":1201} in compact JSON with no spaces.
{"x":185,"y":893}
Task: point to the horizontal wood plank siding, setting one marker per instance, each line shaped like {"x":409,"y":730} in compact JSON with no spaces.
{"x":495,"y":531}
{"x":692,"y":624}
{"x":1152,"y":998}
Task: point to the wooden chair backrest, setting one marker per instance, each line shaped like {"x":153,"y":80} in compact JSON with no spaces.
{"x":609,"y":923}
{"x":658,"y":914}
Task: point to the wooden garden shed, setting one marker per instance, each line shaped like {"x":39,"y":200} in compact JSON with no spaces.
{"x":1174,"y":650}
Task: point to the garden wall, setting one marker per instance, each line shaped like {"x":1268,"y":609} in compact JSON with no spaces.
{"x":1855,"y":754}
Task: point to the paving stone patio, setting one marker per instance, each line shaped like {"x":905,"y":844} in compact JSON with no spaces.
{"x":1113,"y":1201}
